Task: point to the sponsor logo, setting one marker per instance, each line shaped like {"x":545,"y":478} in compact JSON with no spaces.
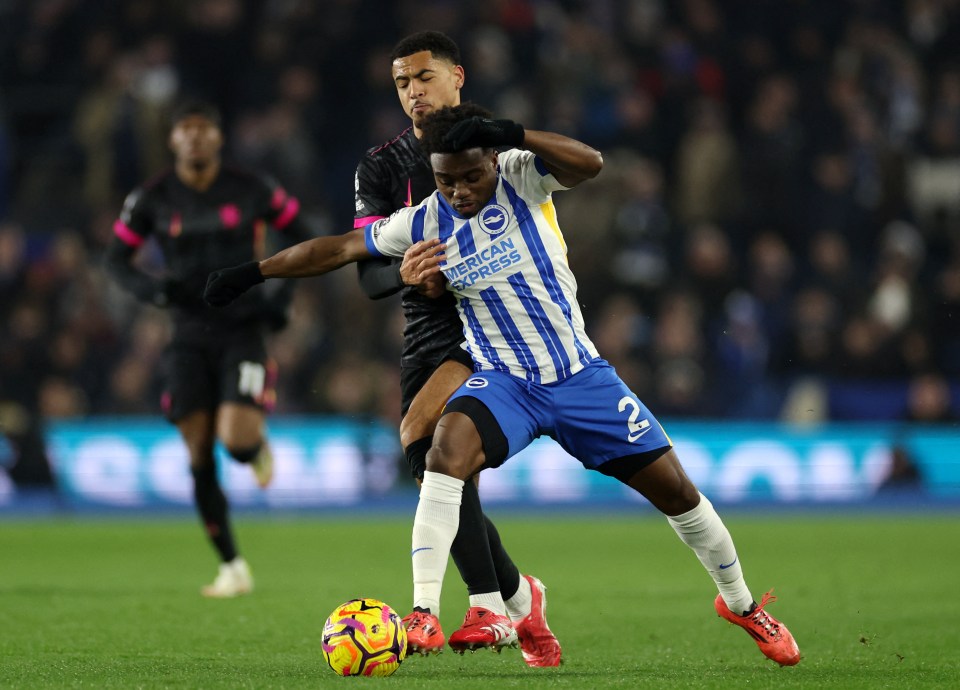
{"x":638,"y":430}
{"x":493,"y":219}
{"x":477,"y":382}
{"x":483,"y":264}
{"x":728,"y":565}
{"x":422,"y":548}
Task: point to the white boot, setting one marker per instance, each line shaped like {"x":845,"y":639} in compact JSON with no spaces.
{"x":262,"y":466}
{"x":233,"y":580}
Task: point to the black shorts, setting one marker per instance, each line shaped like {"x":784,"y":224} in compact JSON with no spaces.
{"x":412,"y":379}
{"x":200,"y":375}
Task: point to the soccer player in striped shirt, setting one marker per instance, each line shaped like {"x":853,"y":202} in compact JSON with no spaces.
{"x":428,"y":76}
{"x":492,"y":230}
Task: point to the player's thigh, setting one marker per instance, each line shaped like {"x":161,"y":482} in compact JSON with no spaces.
{"x":423,"y":414}
{"x":598,"y":419}
{"x":190,"y":381}
{"x":505,"y":413}
{"x":197,"y":430}
{"x":247,"y":378}
{"x":457,"y":448}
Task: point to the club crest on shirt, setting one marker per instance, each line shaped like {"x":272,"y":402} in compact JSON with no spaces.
{"x":493,"y":219}
{"x":230,"y":216}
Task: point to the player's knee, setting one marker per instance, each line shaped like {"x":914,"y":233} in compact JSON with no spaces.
{"x":446,"y":460}
{"x":438,"y":461}
{"x":678,"y":502}
{"x":675,"y":496}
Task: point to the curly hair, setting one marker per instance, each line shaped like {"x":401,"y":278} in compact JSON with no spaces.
{"x":439,"y":44}
{"x":436,"y":125}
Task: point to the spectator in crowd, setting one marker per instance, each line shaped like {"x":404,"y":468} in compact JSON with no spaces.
{"x":823,"y":136}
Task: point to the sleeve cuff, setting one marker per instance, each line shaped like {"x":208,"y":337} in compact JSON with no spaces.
{"x":370,"y":242}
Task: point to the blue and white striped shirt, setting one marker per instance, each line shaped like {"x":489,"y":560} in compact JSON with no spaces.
{"x":507,"y":267}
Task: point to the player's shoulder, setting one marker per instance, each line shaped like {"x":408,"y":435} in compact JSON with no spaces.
{"x":525,"y":169}
{"x":158,"y":183}
{"x":154,"y":187}
{"x":391,"y":149}
{"x":515,"y":159}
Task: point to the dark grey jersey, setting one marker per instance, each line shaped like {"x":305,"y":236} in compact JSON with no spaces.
{"x":389,"y":177}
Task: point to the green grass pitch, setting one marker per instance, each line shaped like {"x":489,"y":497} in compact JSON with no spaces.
{"x":115,"y":603}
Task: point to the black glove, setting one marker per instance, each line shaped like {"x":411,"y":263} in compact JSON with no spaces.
{"x":481,"y":131}
{"x":227,"y":284}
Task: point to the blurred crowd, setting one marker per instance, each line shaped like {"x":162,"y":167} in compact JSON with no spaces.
{"x":775,"y":234}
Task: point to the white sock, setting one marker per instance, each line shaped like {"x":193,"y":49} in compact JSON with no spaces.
{"x":434,"y":527}
{"x":518,"y":606}
{"x":489,"y":600}
{"x":702,"y":530}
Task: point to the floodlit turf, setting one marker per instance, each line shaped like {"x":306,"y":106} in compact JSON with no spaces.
{"x":872,"y":602}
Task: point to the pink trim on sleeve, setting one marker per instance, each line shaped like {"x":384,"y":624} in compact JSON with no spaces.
{"x":289,"y":212}
{"x":126,"y":235}
{"x":366,"y":220}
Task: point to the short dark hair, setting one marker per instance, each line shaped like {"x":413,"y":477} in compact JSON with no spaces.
{"x":436,"y":125}
{"x":195,"y":107}
{"x":439,"y":44}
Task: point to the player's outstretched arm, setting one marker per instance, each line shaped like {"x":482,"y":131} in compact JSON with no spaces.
{"x":311,"y":258}
{"x":570,"y":161}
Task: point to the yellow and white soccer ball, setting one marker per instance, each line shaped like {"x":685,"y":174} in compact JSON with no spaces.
{"x":364,"y":637}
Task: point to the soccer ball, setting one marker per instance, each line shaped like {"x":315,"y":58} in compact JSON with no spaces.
{"x":364,"y":637}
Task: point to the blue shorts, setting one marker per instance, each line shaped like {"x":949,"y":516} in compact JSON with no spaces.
{"x":592,"y":414}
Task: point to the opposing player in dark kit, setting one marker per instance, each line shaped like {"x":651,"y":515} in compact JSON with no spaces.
{"x":218,"y":378}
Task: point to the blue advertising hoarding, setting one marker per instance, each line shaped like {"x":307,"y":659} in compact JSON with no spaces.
{"x":329,"y":462}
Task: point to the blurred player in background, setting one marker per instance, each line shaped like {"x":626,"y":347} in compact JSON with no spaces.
{"x":218,"y":378}
{"x":491,"y":228}
{"x":428,"y":76}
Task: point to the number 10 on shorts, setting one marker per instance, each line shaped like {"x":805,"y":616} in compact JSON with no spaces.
{"x":253,"y":376}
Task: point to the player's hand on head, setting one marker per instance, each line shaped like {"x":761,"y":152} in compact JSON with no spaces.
{"x":227,"y":284}
{"x":484,"y":132}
